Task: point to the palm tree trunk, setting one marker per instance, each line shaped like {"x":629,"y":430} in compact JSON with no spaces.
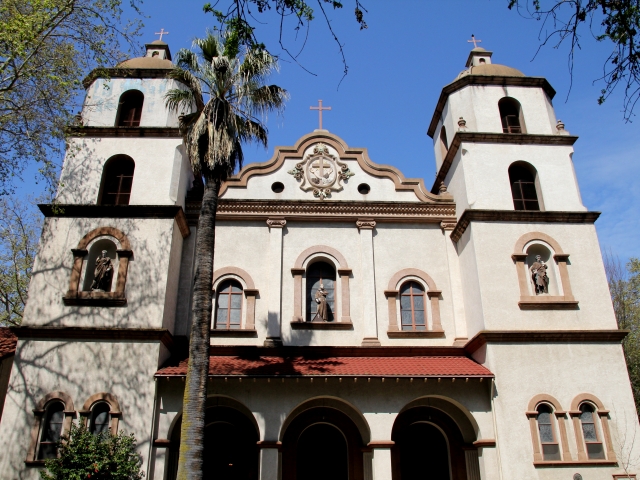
{"x":190,"y":466}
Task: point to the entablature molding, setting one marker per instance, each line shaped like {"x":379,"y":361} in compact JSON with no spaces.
{"x":498,"y":138}
{"x":95,"y":333}
{"x":114,"y":132}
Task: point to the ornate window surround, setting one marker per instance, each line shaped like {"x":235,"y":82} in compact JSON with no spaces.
{"x":249,"y":304}
{"x":393,"y":300}
{"x":532,"y":415}
{"x":603,"y":415}
{"x":114,"y":409}
{"x":342,"y":295}
{"x":39,"y":412}
{"x":543,"y":302}
{"x":74,"y":295}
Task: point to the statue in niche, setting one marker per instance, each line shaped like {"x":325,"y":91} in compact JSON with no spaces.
{"x":539,"y":276}
{"x":102,"y":274}
{"x":322,"y":315}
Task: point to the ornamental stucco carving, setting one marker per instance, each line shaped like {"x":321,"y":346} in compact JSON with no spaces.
{"x":321,"y":172}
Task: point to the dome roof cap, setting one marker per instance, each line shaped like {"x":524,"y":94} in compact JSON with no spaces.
{"x":158,"y":56}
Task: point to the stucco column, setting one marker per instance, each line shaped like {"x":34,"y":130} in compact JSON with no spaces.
{"x":369,"y":316}
{"x":455,"y":284}
{"x":274,"y":301}
{"x":382,"y":464}
{"x":268,"y":464}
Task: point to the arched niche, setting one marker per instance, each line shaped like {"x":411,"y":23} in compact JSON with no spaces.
{"x":249,"y":291}
{"x":321,"y":253}
{"x":81,"y":279}
{"x":130,"y":109}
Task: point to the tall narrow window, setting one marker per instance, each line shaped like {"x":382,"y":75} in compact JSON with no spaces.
{"x":229,"y":306}
{"x":444,"y":145}
{"x":117,"y":180}
{"x":100,"y":418}
{"x":51,"y":430}
{"x":412,"y":303}
{"x":590,"y":433}
{"x":523,"y":187}
{"x":511,"y":116}
{"x":321,"y":280}
{"x":548,"y":440}
{"x":130,"y":109}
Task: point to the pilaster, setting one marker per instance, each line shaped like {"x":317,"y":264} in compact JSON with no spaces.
{"x":274,"y":300}
{"x":369,"y":316}
{"x":455,"y":284}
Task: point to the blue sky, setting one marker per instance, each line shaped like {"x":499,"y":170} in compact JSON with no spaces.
{"x":397,"y":68}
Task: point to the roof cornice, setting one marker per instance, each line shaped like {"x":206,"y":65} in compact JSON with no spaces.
{"x":536,"y":82}
{"x":492,"y":137}
{"x":110,"y":132}
{"x":125,"y":73}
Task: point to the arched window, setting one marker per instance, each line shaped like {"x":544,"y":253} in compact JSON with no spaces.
{"x":523,"y":186}
{"x":511,"y":116}
{"x":229,"y":306}
{"x":101,"y":267}
{"x":320,"y":302}
{"x":117,"y":180}
{"x":444,"y":144}
{"x":130,"y":109}
{"x":547,"y":433}
{"x":590,"y":433}
{"x":100,"y":420}
{"x":412,"y":307}
{"x":51,"y":430}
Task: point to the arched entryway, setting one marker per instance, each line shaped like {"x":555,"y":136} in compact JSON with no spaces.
{"x":230,"y":446}
{"x":322,"y":443}
{"x":428,"y":446}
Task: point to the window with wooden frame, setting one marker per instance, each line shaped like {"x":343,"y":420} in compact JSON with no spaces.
{"x":117,"y":180}
{"x":130,"y":109}
{"x":412,"y":307}
{"x":590,"y":434}
{"x":524,"y":191}
{"x":547,"y":433}
{"x":321,"y":273}
{"x":229,"y":306}
{"x":511,"y":115}
{"x":50,"y":430}
{"x":100,"y":419}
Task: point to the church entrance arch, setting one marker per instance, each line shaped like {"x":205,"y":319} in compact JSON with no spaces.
{"x":428,"y":446}
{"x":322,"y":443}
{"x":230,"y":446}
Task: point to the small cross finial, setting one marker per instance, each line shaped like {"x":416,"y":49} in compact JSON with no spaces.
{"x":474,"y":41}
{"x":162,"y":32}
{"x":320,"y":108}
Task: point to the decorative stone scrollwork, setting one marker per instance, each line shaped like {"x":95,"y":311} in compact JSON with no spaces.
{"x":321,"y":172}
{"x":365,"y":223}
{"x":276,"y":222}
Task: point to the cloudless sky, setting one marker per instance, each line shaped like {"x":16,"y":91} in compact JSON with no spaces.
{"x":397,"y":68}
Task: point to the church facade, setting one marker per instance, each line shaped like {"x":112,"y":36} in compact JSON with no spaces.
{"x":366,"y":326}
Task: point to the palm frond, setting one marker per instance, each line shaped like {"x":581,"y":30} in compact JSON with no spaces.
{"x":210,"y":46}
{"x":191,"y":82}
{"x":177,"y":98}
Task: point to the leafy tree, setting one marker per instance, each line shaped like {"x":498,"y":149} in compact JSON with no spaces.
{"x":624,"y":285}
{"x":84,"y":455}
{"x":232,"y":80}
{"x":45,"y":47}
{"x":19,"y":232}
{"x":617,"y":21}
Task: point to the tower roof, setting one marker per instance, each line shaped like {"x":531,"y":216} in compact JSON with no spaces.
{"x":158,"y":56}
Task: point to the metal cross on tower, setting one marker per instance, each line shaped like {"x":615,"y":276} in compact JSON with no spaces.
{"x":320,"y":108}
{"x":162,"y":32}
{"x":474,"y":41}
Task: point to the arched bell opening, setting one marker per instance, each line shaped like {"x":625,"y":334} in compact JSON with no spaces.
{"x":322,"y":443}
{"x":427,"y":440}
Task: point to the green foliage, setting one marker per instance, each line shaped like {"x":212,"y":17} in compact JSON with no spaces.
{"x":45,"y":47}
{"x":617,"y":21}
{"x":624,"y":285}
{"x":83,"y":456}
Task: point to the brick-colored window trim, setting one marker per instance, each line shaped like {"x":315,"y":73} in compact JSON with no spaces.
{"x":75,"y":296}
{"x":342,"y":295}
{"x":103,"y":397}
{"x":393,"y":300}
{"x":532,"y":415}
{"x":248,"y":325}
{"x":39,"y":412}
{"x":599,"y":413}
{"x":543,"y":302}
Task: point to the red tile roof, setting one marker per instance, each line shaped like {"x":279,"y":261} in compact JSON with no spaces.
{"x":7,"y":342}
{"x":265,"y":366}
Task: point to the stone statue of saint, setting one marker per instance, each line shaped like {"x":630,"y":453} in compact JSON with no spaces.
{"x":539,"y":276}
{"x":102,"y":274}
{"x":322,"y":315}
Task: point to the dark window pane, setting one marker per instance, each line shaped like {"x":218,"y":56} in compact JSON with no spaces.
{"x":418,"y":316}
{"x":589,"y":432}
{"x":130,"y":109}
{"x":223,"y":300}
{"x":236,"y":301}
{"x":595,"y":451}
{"x":418,"y":302}
{"x":100,"y":418}
{"x":405,"y":302}
{"x":406,"y":318}
{"x":546,"y":433}
{"x":234,"y":317}
{"x":550,"y":452}
{"x":51,"y":431}
{"x":117,"y":180}
{"x":529,"y":191}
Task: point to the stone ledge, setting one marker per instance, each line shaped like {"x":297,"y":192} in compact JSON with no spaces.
{"x":571,"y":463}
{"x":547,"y":303}
{"x":95,"y":299}
{"x":415,"y":334}
{"x":234,"y":333}
{"x":321,"y":326}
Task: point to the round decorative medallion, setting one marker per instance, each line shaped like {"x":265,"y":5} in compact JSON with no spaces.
{"x":321,"y":172}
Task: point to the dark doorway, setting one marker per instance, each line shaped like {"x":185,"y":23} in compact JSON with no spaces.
{"x":322,"y":454}
{"x":428,"y":446}
{"x":322,"y":443}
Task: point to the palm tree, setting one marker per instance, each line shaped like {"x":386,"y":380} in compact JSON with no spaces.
{"x":232,"y":78}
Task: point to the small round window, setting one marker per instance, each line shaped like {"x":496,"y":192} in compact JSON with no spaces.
{"x":277,"y":187}
{"x":363,"y":188}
